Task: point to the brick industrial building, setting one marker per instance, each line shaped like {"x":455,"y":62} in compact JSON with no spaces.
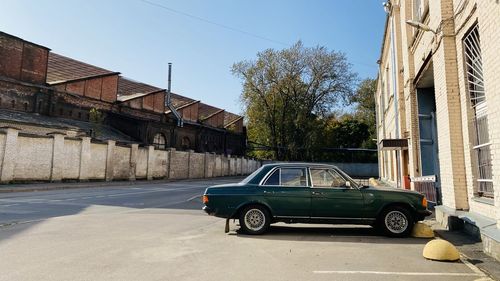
{"x":438,"y":106}
{"x":43,"y":92}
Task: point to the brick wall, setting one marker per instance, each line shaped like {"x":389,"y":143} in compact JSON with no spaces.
{"x":22,"y":60}
{"x":443,"y":54}
{"x":99,"y":88}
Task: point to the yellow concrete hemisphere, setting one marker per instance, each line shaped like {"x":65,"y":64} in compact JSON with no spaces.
{"x":421,"y":230}
{"x":373,"y":182}
{"x":440,"y":250}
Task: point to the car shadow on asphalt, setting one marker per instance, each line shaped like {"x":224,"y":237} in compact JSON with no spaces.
{"x":352,"y":234}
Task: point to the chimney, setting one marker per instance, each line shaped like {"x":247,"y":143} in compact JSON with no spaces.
{"x":168,"y":100}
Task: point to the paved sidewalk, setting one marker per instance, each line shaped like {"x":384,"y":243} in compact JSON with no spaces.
{"x":44,"y":186}
{"x":470,"y":248}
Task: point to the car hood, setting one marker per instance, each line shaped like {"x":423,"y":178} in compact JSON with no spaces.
{"x":391,"y":189}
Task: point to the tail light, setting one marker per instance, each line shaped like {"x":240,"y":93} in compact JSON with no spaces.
{"x":204,"y":199}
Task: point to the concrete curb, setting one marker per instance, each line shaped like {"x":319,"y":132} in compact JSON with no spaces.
{"x":96,"y":184}
{"x":468,"y":252}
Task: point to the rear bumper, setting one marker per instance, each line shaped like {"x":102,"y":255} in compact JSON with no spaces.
{"x":208,"y":210}
{"x":421,"y":214}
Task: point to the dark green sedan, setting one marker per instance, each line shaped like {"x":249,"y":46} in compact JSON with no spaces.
{"x":313,"y":193}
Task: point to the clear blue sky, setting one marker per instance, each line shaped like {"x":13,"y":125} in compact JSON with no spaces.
{"x":138,"y":39}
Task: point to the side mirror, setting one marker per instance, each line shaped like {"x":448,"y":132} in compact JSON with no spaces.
{"x":348,"y":184}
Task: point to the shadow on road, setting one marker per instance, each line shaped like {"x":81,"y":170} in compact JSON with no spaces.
{"x":337,"y":233}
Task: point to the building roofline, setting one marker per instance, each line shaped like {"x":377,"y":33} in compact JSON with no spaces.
{"x":187,"y":104}
{"x":232,"y":122}
{"x":26,"y":41}
{"x":124,"y":98}
{"x":212,"y":115}
{"x":82,"y":78}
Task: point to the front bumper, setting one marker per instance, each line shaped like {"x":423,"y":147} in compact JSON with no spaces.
{"x":421,"y":214}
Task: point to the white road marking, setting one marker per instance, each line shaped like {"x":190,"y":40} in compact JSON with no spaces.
{"x":8,"y":205}
{"x":194,"y":197}
{"x":397,"y":273}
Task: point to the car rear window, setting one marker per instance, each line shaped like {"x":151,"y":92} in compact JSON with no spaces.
{"x":274,"y":178}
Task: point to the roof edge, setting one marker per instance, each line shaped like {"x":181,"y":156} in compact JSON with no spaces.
{"x":212,"y":115}
{"x":139,"y":96}
{"x":82,"y":78}
{"x":25,"y":41}
{"x":232,"y":122}
{"x":188,"y":104}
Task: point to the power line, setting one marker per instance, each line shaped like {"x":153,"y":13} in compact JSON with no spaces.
{"x":234,"y":29}
{"x":213,"y":23}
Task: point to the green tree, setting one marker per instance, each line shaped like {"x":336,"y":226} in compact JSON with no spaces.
{"x":364,"y":98}
{"x":96,"y":118}
{"x":288,"y":93}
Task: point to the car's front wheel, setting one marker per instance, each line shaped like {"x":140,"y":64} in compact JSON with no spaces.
{"x":254,"y":219}
{"x":396,"y":222}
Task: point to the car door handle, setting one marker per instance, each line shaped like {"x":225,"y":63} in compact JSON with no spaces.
{"x":268,"y":192}
{"x":317,"y":193}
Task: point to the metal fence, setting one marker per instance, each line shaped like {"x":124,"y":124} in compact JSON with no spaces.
{"x":427,"y":186}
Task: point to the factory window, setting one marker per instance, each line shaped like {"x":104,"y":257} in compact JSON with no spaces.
{"x":159,"y":141}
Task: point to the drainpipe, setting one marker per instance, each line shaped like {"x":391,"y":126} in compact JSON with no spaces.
{"x":394,"y":89}
{"x":168,"y":101}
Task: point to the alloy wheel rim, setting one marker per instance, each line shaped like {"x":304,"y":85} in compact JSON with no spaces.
{"x":254,"y":219}
{"x":396,"y":222}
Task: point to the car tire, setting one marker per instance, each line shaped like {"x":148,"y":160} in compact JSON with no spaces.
{"x":254,"y":219}
{"x":396,"y":222}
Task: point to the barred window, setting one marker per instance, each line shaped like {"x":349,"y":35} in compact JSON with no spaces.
{"x":475,"y":89}
{"x":185,"y":143}
{"x":159,"y":141}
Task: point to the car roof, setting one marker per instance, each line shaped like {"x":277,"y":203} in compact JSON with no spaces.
{"x":299,"y":164}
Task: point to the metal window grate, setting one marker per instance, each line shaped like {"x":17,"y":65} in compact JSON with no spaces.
{"x":159,"y":141}
{"x":475,"y":86}
{"x":417,"y":10}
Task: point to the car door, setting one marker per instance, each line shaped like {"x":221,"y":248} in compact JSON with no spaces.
{"x":287,"y":192}
{"x":332,"y":198}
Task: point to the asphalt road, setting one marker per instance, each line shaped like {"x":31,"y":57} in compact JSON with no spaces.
{"x":32,"y":206}
{"x":158,"y":232}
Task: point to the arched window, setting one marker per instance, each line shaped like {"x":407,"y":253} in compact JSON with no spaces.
{"x":186,"y":143}
{"x":159,"y":141}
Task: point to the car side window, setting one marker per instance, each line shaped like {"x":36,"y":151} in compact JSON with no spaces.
{"x":326,"y":178}
{"x":293,"y":177}
{"x":274,"y":178}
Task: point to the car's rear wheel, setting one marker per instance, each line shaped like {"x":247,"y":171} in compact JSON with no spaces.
{"x":254,"y":219}
{"x":396,"y":221}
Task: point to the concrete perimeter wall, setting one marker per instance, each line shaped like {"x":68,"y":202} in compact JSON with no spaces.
{"x":57,"y":157}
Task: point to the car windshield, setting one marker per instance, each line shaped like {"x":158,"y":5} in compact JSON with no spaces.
{"x":250,"y":177}
{"x":346,"y":176}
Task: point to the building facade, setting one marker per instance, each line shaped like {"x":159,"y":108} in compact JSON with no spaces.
{"x":438,"y":102}
{"x":42,"y":92}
